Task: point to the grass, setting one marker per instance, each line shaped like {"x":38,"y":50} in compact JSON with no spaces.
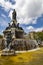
{"x":28,"y":58}
{"x":31,"y":58}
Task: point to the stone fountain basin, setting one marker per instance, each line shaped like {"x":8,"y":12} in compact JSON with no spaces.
{"x":8,"y":52}
{"x":19,"y":45}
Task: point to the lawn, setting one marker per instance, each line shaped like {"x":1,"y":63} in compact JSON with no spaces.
{"x":28,"y":58}
{"x":31,"y":58}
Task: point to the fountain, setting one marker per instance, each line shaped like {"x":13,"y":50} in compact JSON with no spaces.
{"x":14,"y":38}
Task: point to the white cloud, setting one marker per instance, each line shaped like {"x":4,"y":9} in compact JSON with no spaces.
{"x":39,"y":29}
{"x":31,"y":28}
{"x":3,"y":15}
{"x":6,"y":5}
{"x":10,"y":14}
{"x":3,"y":23}
{"x":26,"y":10}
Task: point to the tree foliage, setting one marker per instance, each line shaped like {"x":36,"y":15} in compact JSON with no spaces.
{"x":1,"y":36}
{"x":40,"y":35}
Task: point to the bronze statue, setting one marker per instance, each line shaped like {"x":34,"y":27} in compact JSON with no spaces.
{"x":14,"y":15}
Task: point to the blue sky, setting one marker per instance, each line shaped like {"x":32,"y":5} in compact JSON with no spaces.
{"x":29,"y":14}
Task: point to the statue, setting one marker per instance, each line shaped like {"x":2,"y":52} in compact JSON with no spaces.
{"x":14,"y":15}
{"x":18,"y":25}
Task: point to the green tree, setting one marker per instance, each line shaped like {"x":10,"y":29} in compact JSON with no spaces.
{"x":40,"y":35}
{"x":1,"y":36}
